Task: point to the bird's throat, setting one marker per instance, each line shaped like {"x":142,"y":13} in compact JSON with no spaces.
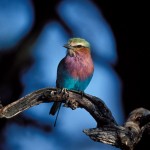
{"x":79,"y":67}
{"x":71,"y":52}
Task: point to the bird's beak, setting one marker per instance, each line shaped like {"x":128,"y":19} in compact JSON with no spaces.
{"x":67,"y":46}
{"x":70,"y":50}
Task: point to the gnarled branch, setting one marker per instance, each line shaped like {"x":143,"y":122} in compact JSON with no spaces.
{"x":107,"y":131}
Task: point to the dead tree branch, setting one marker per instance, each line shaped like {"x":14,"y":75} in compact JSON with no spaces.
{"x":107,"y":131}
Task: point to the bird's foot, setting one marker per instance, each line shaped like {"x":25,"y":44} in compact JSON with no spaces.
{"x":72,"y":103}
{"x":63,"y":93}
{"x":60,"y":93}
{"x":64,"y":90}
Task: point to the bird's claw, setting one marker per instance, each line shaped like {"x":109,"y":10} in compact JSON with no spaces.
{"x":59,"y":94}
{"x":63,"y":92}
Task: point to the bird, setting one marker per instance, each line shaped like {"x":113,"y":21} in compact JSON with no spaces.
{"x":75,"y":70}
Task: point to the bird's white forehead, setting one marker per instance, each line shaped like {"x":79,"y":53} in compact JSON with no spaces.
{"x":77,"y":43}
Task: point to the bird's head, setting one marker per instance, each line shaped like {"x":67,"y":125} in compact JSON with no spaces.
{"x":75,"y":45}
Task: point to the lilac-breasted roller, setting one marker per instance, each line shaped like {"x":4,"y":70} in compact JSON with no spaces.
{"x":76,"y":69}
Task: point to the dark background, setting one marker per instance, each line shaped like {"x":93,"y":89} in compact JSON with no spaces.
{"x":129,"y":23}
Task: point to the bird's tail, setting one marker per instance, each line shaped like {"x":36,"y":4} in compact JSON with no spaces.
{"x":55,"y":108}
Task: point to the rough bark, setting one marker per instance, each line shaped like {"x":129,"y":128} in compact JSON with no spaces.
{"x":107,"y":130}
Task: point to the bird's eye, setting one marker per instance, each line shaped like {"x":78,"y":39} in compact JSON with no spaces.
{"x":79,"y":46}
